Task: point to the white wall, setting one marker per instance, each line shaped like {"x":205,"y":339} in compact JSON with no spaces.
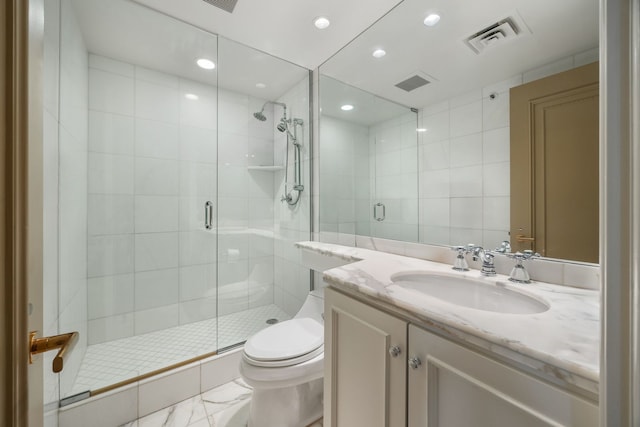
{"x":292,"y":223}
{"x":345,"y":194}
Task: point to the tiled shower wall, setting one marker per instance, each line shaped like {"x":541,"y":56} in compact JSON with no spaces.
{"x":152,"y":166}
{"x":345,"y":205}
{"x":464,"y":161}
{"x":292,"y":223}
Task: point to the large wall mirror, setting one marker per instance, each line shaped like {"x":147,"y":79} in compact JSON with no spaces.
{"x":504,"y":98}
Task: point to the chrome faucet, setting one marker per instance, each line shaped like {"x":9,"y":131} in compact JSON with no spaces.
{"x":479,"y":253}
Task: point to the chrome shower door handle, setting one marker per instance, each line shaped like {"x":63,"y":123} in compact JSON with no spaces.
{"x":208,"y":215}
{"x":375,"y":212}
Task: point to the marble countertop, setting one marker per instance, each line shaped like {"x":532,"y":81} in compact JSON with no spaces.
{"x":562,"y":343}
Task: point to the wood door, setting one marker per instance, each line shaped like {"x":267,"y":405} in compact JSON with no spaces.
{"x":365,"y":386}
{"x":555,"y":166}
{"x":454,"y":386}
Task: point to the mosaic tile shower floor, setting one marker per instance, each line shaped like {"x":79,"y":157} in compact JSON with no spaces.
{"x":114,"y":361}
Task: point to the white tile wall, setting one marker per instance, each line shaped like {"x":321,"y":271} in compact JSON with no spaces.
{"x":110,"y":295}
{"x":291,"y":280}
{"x":110,"y":93}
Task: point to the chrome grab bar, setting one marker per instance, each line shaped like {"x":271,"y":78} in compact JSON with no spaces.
{"x":208,"y":215}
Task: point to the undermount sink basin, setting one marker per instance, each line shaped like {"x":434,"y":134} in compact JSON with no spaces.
{"x":470,"y":293}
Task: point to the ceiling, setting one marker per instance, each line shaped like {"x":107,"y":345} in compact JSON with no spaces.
{"x":552,"y":30}
{"x":126,"y":31}
{"x":283,"y":28}
{"x":269,"y":38}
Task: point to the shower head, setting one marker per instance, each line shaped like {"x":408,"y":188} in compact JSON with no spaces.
{"x":260,"y":116}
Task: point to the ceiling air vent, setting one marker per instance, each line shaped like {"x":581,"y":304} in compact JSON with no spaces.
{"x":413,"y":82}
{"x":495,"y":34}
{"x":226,"y":5}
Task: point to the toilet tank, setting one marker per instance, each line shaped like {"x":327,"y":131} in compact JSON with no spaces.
{"x":313,"y":306}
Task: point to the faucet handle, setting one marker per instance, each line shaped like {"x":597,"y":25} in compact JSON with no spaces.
{"x":460,"y":264}
{"x":519,"y":274}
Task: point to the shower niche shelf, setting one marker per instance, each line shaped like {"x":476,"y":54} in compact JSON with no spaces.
{"x":265,"y":168}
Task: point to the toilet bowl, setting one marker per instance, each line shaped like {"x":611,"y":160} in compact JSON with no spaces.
{"x":284,"y":364}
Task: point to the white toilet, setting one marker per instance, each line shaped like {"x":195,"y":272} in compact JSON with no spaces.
{"x":284,"y":364}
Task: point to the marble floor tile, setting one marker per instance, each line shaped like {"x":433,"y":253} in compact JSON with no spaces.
{"x":223,"y":406}
{"x":186,"y":413}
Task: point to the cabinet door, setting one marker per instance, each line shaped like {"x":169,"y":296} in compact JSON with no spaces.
{"x":454,"y":386}
{"x":364,"y":381}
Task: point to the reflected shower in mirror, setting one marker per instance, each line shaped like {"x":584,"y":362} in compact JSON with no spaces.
{"x":459,"y":78}
{"x":368,"y":164}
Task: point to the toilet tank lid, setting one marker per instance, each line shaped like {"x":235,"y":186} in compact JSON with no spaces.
{"x":286,"y":340}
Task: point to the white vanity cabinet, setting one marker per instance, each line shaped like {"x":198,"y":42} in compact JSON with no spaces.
{"x":431,"y":381}
{"x":365,"y":365}
{"x":450,"y":385}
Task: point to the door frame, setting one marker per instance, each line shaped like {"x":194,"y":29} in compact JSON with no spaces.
{"x":21,"y":42}
{"x":620,"y":212}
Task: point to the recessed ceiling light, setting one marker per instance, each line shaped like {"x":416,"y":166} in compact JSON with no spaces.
{"x":421,"y":130}
{"x":207,"y":64}
{"x":347,"y":107}
{"x":191,"y":96}
{"x":321,"y":22}
{"x":432,"y":20}
{"x":261,"y":85}
{"x":379,"y":53}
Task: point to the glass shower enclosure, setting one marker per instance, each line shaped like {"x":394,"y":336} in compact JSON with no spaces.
{"x":166,"y":238}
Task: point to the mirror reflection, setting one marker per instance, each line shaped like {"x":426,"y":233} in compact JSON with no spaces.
{"x":368,"y":166}
{"x":460,"y":75}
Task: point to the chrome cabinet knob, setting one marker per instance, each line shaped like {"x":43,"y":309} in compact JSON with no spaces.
{"x":395,"y":351}
{"x":415,"y":362}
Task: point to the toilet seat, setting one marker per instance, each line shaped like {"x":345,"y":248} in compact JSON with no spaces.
{"x":288,"y":343}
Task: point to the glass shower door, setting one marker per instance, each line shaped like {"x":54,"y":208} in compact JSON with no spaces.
{"x":137,"y":165}
{"x":258,"y":284}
